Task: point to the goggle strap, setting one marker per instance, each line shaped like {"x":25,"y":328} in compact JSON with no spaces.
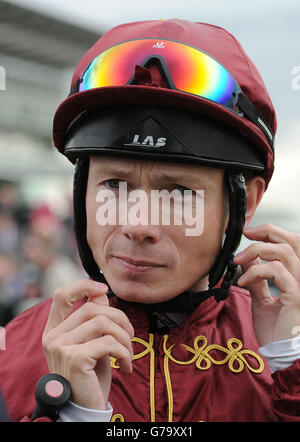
{"x":75,"y":88}
{"x":252,"y":113}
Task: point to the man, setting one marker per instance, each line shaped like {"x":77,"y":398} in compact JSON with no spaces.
{"x":158,"y":332}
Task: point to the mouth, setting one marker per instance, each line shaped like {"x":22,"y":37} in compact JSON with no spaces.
{"x":136,"y":265}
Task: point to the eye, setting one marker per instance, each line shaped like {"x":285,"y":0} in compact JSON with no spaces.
{"x":112,"y":183}
{"x":181,"y":188}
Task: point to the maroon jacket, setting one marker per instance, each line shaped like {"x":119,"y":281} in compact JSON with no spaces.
{"x":206,"y":369}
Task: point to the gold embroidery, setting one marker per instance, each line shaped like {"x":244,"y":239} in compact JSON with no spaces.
{"x":117,"y":418}
{"x":149,"y":349}
{"x":234,"y":356}
{"x":203,"y":359}
{"x":168,"y":382}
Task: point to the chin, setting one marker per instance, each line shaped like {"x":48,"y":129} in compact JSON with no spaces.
{"x":138,"y":292}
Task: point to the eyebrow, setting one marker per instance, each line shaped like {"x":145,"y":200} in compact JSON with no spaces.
{"x":113,"y":171}
{"x":187,"y":179}
{"x":125,"y":173}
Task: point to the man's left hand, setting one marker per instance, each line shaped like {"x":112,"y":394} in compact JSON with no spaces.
{"x":274,"y":318}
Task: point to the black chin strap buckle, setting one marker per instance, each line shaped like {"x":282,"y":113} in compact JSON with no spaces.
{"x":221,"y":293}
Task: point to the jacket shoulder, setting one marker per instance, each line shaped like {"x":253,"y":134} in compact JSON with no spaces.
{"x":40,"y":310}
{"x":22,"y":362}
{"x":237,"y":309}
{"x":239,"y":296}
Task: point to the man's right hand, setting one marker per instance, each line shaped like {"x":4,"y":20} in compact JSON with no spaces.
{"x":78,"y":344}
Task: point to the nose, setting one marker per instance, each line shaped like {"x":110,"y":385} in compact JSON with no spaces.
{"x":141,"y":232}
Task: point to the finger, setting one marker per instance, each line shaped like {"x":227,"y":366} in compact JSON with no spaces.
{"x":272,"y":270}
{"x":271,"y":252}
{"x":101,"y":300}
{"x":97,"y":327}
{"x":105,"y":346}
{"x":90,"y":310}
{"x":259,"y":289}
{"x":273,"y":234}
{"x":65,"y":297}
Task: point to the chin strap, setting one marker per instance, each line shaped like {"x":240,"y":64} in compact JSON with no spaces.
{"x":222,"y":292}
{"x":237,"y":197}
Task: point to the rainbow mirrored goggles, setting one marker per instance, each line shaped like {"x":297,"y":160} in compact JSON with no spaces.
{"x":186,"y":69}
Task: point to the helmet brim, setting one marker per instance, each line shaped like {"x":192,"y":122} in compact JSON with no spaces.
{"x":135,"y":95}
{"x":146,"y":132}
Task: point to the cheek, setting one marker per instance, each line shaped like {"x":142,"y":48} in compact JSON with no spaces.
{"x":99,"y":237}
{"x":95,"y":233}
{"x":214,"y":225}
{"x":199,"y":252}
{"x":91,"y":211}
{"x":215,"y":217}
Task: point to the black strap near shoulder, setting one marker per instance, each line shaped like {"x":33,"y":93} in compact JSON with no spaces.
{"x":79,"y":195}
{"x":237,"y":196}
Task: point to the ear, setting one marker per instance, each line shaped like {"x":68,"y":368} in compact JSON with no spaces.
{"x":255,"y":191}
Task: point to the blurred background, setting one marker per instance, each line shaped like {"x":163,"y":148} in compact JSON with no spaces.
{"x":41,"y":41}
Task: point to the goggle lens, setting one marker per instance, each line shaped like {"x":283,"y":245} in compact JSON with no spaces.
{"x":191,"y":70}
{"x":187,"y":69}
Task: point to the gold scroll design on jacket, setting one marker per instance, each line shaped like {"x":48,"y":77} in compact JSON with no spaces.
{"x":234,"y":355}
{"x":148,"y":349}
